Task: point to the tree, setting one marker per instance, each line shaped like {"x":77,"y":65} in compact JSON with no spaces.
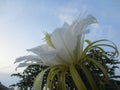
{"x":27,"y":77}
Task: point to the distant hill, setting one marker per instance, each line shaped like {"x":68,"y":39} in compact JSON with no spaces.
{"x":2,"y":87}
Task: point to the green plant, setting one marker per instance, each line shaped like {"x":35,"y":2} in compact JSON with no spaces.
{"x":105,"y":58}
{"x":87,"y":71}
{"x":65,"y":56}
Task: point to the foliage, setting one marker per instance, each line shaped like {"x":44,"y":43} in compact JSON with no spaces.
{"x":27,"y":77}
{"x":95,"y":68}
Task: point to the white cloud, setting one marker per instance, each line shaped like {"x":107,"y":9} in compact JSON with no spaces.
{"x":70,"y":12}
{"x":65,"y":18}
{"x":67,"y":15}
{"x":104,"y":32}
{"x":101,"y":32}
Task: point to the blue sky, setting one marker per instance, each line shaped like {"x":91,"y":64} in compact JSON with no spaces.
{"x":23,"y":23}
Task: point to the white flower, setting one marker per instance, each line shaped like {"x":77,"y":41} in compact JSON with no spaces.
{"x":66,"y":45}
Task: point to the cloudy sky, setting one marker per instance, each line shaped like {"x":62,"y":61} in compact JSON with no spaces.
{"x":23,"y":23}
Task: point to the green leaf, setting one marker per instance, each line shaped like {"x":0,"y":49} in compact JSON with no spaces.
{"x":38,"y":80}
{"x":61,"y":81}
{"x":88,"y":42}
{"x":77,"y":78}
{"x":96,"y":44}
{"x":89,"y":77}
{"x":103,"y":69}
{"x":54,"y":71}
{"x":50,"y":78}
{"x":116,"y":53}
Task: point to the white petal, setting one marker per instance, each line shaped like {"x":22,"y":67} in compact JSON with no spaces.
{"x":40,"y":49}
{"x":70,"y":41}
{"x":80,"y":26}
{"x":24,"y":64}
{"x":47,"y":54}
{"x":91,"y":19}
{"x":28,"y":58}
{"x":58,"y":40}
{"x":67,"y":39}
{"x":52,"y":57}
{"x":78,"y":29}
{"x":65,"y":25}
